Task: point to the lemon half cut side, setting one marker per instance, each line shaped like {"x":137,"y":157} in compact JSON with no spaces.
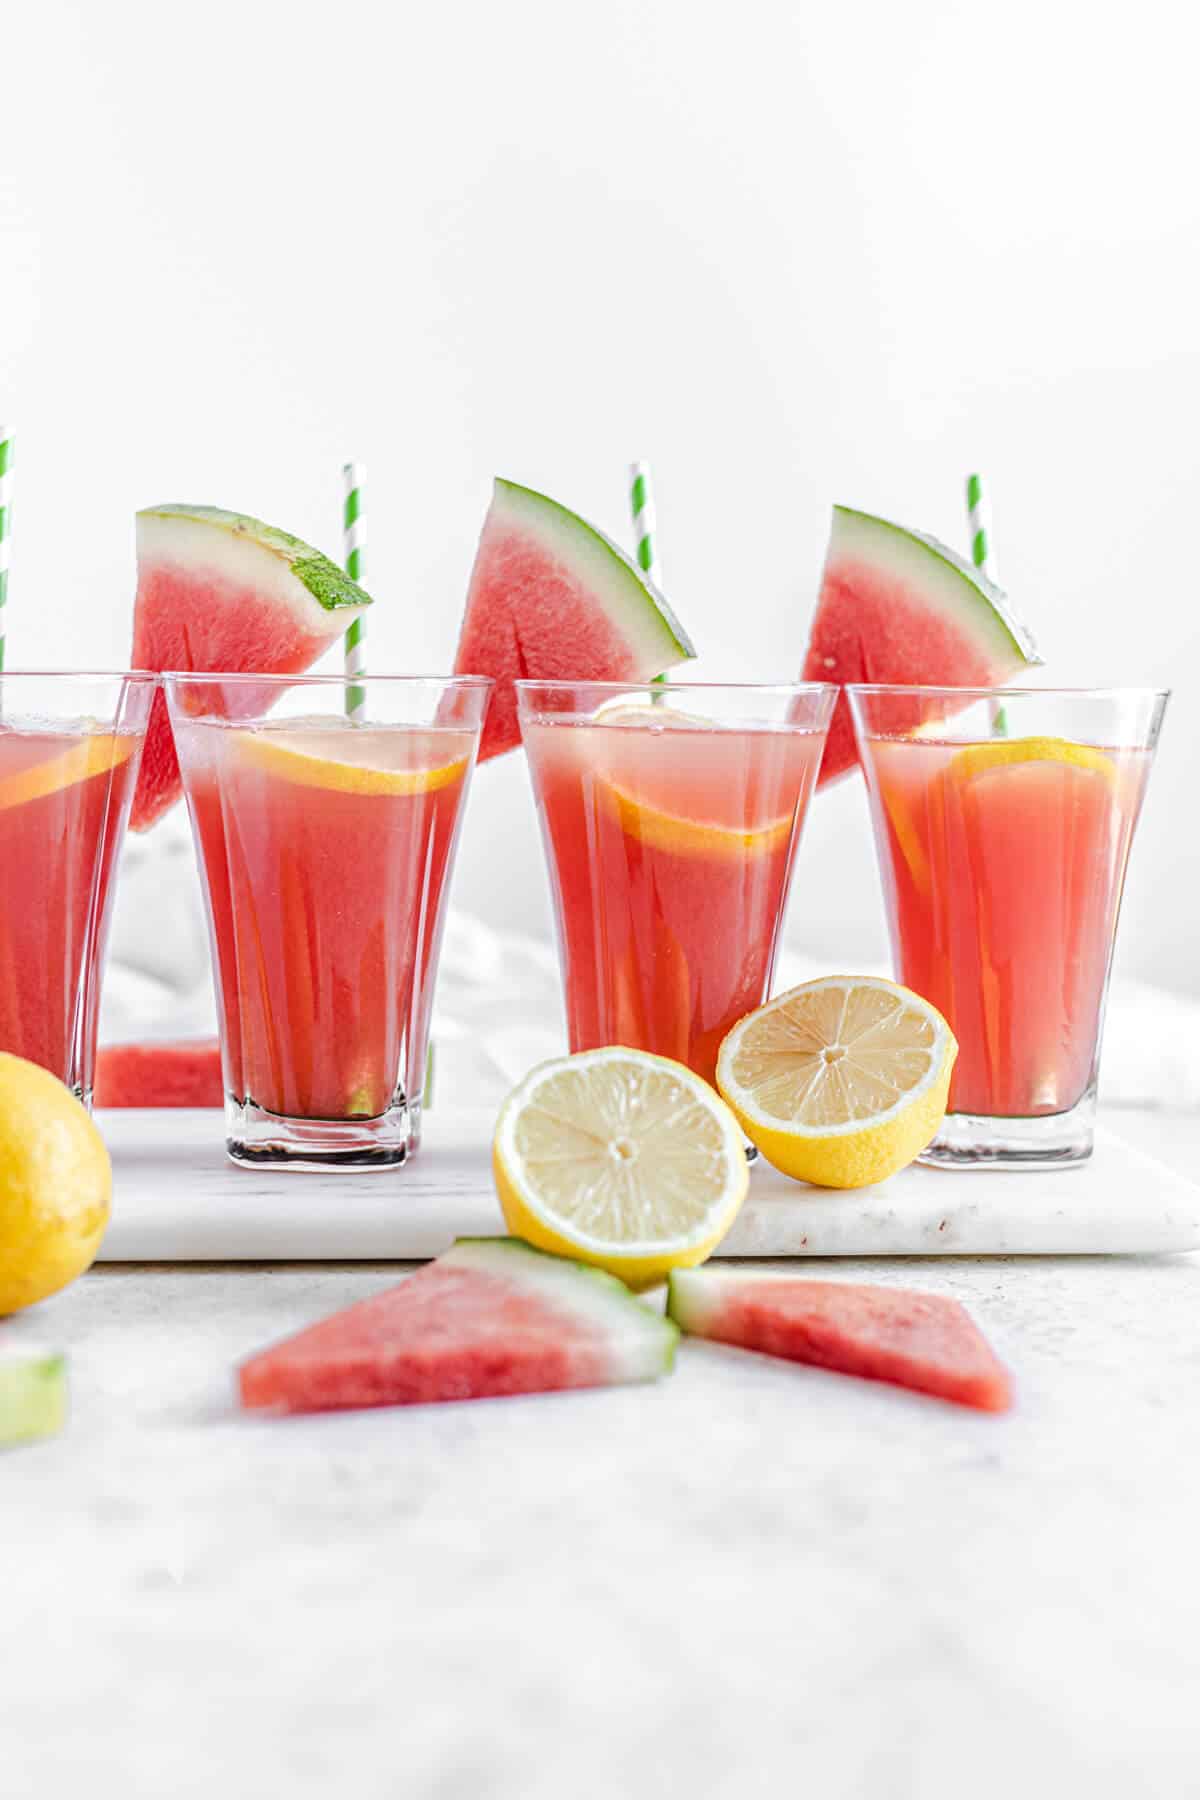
{"x":841,"y":1081}
{"x":621,"y":1159}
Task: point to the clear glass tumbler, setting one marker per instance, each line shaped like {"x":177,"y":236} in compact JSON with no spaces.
{"x":1003,"y":822}
{"x":70,"y":747}
{"x":326,"y":844}
{"x":671,"y":816}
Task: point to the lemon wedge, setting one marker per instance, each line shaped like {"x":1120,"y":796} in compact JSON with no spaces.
{"x":94,"y":753}
{"x":981,"y":759}
{"x":361,"y":761}
{"x":840,"y":1082}
{"x":620,"y":1159}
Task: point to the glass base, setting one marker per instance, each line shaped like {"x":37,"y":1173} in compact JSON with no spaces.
{"x":972,"y":1141}
{"x":264,"y":1140}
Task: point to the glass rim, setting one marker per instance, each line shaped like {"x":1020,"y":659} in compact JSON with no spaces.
{"x":670,"y":686}
{"x":1006,"y":693}
{"x":79,"y":675}
{"x":215,"y":677}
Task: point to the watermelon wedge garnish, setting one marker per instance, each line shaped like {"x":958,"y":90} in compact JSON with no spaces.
{"x":551,"y":598}
{"x":914,"y":1340}
{"x":492,"y":1316}
{"x":218,"y":591}
{"x":898,"y":607}
{"x":182,"y":1072}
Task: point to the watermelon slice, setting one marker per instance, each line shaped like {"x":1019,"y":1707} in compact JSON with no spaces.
{"x":553,"y":599}
{"x":220,"y":591}
{"x":898,"y":607}
{"x":186,"y":1072}
{"x":491,"y":1316}
{"x":914,"y":1340}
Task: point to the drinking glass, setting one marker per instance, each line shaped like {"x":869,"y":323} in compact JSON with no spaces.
{"x":326,"y":843}
{"x":671,"y":816}
{"x":70,"y":746}
{"x":1003,"y":822}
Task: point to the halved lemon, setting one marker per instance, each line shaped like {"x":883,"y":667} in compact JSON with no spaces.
{"x":842,"y":1081}
{"x":359,"y":761}
{"x":95,"y":753}
{"x":620,"y":1159}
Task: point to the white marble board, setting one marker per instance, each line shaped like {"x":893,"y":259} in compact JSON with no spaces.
{"x":177,"y":1198}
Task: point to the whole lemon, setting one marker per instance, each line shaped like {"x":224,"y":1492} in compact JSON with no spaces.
{"x":55,"y":1185}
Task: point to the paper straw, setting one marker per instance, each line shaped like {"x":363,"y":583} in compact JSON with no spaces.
{"x":645,"y":524}
{"x":6,"y":458}
{"x":979,"y":524}
{"x":353,"y":539}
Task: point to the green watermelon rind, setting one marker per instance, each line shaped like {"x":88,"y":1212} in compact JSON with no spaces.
{"x":630,"y":598}
{"x":967,"y":593}
{"x":584,"y":1292}
{"x":329,"y":586}
{"x":33,"y":1394}
{"x":692,"y":1300}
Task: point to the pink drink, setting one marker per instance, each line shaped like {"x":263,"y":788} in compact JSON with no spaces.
{"x":316,"y":896}
{"x":326,"y":848}
{"x":671,"y":844}
{"x":64,"y":799}
{"x":1003,"y":882}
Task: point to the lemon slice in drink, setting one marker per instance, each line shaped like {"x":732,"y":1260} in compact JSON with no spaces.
{"x":94,"y":753}
{"x":981,"y":759}
{"x":620,"y":1159}
{"x":648,"y":793}
{"x":359,"y":761}
{"x":840,"y":1082}
{"x":660,"y":830}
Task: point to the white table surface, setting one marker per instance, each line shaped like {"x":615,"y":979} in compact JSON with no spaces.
{"x":751,"y":1579}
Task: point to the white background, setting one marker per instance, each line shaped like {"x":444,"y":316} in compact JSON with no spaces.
{"x":791,"y":254}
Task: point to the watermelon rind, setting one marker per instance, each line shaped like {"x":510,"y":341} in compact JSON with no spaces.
{"x":961,"y":591}
{"x":33,"y":1393}
{"x":641,"y":1342}
{"x":629,"y":597}
{"x":693,"y":1298}
{"x":247,"y":549}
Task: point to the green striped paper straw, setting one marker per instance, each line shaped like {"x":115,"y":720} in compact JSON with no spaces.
{"x":645,"y":526}
{"x":353,"y":539}
{"x":645,"y":523}
{"x":6,"y":459}
{"x":979,"y":524}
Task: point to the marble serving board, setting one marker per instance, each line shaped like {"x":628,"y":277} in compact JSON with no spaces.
{"x":177,"y":1198}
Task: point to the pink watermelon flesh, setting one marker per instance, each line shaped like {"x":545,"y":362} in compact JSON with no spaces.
{"x":552,"y":599}
{"x":910,"y":1339}
{"x":897,"y":608}
{"x":491,"y":1317}
{"x":186,"y":1072}
{"x":221,"y":591}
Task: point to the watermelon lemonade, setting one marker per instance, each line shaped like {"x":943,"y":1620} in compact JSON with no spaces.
{"x":671,"y":819}
{"x":1003,"y":860}
{"x":326,"y":846}
{"x":69,"y":750}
